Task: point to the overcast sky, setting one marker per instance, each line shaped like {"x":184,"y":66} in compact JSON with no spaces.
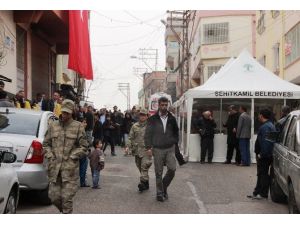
{"x":115,"y":36}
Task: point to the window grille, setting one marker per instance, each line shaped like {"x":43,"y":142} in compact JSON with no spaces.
{"x":276,"y":57}
{"x":262,"y":60}
{"x":292,"y":45}
{"x":261,"y":23}
{"x":216,"y":33}
{"x":275,"y":13}
{"x":213,"y":69}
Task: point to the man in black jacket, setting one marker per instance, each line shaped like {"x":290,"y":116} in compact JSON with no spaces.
{"x":161,"y":136}
{"x":232,"y":141}
{"x":207,"y":127}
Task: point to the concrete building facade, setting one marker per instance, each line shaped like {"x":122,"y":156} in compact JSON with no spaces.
{"x":33,"y":52}
{"x":216,"y":36}
{"x":172,"y":57}
{"x":278,"y":43}
{"x":152,"y":82}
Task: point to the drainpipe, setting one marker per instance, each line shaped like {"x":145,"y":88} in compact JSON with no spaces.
{"x":283,"y":43}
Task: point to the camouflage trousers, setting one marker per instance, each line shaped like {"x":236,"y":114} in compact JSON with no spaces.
{"x":143,"y":164}
{"x":62,"y":194}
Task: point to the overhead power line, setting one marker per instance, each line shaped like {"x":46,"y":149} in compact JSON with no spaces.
{"x":129,"y":41}
{"x":140,"y":20}
{"x":128,"y":22}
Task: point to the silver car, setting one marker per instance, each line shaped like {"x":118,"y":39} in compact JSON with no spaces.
{"x":9,"y":185}
{"x":285,"y":171}
{"x":23,"y":136}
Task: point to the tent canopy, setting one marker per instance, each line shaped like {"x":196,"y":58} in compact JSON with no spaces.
{"x":244,"y":77}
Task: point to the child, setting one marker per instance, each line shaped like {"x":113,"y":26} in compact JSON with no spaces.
{"x":96,"y":162}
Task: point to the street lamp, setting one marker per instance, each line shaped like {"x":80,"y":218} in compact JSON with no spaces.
{"x":164,"y":23}
{"x":133,"y":57}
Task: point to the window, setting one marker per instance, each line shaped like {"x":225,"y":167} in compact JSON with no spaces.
{"x":294,"y":104}
{"x":21,"y":48}
{"x":282,"y":134}
{"x":262,"y":60}
{"x":25,"y":124}
{"x":261,"y":22}
{"x":276,"y":58}
{"x":216,"y":33}
{"x":213,"y":69}
{"x":275,"y":13}
{"x":290,"y":138}
{"x":292,"y":45}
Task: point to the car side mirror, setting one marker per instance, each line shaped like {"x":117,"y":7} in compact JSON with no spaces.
{"x":8,"y":157}
{"x":273,"y":136}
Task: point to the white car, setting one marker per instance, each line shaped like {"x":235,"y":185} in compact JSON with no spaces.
{"x":24,"y":135}
{"x":9,"y":185}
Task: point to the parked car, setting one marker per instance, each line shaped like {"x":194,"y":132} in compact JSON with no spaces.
{"x":285,"y":171}
{"x":9,"y":185}
{"x":23,"y":135}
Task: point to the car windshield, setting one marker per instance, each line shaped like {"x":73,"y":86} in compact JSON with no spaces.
{"x":18,"y":123}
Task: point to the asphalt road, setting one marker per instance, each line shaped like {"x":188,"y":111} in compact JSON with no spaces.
{"x":196,"y":188}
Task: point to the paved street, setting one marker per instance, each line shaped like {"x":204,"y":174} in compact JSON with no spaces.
{"x":215,"y":188}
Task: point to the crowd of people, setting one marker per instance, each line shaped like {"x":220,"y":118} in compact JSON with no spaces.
{"x":83,"y":135}
{"x":88,"y":132}
{"x":238,"y":126}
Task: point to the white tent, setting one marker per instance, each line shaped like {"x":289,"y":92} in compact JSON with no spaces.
{"x":245,"y":74}
{"x":242,"y":78}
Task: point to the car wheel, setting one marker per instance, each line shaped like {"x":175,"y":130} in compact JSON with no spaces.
{"x":43,"y":197}
{"x":277,"y":195}
{"x":11,"y":205}
{"x":292,"y":201}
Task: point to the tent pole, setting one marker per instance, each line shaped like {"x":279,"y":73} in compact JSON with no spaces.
{"x":189,"y":108}
{"x":252,"y":126}
{"x":220,"y":115}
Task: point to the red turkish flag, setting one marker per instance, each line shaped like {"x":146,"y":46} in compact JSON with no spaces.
{"x":79,"y":44}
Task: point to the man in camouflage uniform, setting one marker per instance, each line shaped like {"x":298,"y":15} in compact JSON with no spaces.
{"x":65,"y":142}
{"x":136,"y":143}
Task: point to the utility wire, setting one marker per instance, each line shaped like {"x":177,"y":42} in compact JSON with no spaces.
{"x":151,"y":37}
{"x":128,"y":41}
{"x":128,"y":22}
{"x":138,"y":19}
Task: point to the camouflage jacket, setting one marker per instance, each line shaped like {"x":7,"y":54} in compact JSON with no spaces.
{"x":63,"y":145}
{"x":136,"y":139}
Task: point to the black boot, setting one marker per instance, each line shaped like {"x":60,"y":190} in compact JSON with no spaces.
{"x":146,"y":183}
{"x":143,"y":185}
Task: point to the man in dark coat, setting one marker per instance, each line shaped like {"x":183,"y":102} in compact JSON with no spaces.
{"x":161,"y":137}
{"x":108,"y":130}
{"x":264,"y":155}
{"x":98,"y":128}
{"x":232,"y":141}
{"x":207,"y":127}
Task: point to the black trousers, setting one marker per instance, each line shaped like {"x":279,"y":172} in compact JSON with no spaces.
{"x":178,"y":155}
{"x":207,"y":145}
{"x":109,"y":140}
{"x":263,"y":177}
{"x":230,"y":149}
